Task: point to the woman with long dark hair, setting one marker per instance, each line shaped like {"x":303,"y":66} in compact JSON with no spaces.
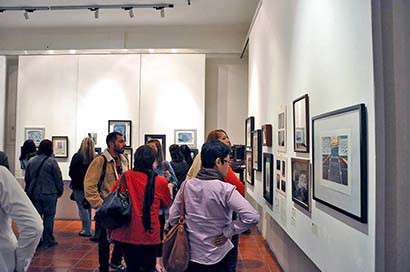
{"x":28,"y":150}
{"x":148,"y":192}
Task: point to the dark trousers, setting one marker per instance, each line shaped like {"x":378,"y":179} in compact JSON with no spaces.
{"x":139,"y":258}
{"x":46,"y":207}
{"x":232,"y":256}
{"x":218,"y":267}
{"x":103,"y":246}
{"x":161,"y":232}
{"x":117,"y":253}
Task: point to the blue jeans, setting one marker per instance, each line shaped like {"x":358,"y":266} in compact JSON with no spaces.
{"x":85,"y":214}
{"x":46,"y":207}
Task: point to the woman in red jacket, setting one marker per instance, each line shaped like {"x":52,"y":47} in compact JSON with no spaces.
{"x":148,"y":193}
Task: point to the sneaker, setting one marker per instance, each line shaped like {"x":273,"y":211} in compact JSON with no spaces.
{"x":118,"y":267}
{"x":82,"y":233}
{"x":50,"y":244}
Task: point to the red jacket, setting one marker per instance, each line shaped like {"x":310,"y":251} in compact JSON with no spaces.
{"x":233,"y":179}
{"x":134,"y":232}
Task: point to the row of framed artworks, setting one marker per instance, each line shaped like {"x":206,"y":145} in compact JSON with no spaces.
{"x":339,"y":163}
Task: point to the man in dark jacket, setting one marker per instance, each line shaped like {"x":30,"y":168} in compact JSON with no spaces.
{"x":44,"y":184}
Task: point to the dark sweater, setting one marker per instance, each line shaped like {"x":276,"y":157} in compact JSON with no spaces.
{"x":77,"y":171}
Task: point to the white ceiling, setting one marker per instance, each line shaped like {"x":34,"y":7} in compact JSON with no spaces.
{"x":204,"y":13}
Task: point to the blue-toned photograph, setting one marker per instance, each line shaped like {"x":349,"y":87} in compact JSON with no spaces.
{"x":335,"y":159}
{"x":185,"y":137}
{"x":121,"y":128}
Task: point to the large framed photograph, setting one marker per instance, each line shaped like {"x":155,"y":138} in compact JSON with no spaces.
{"x":185,"y":136}
{"x":282,"y":129}
{"x":340,"y":161}
{"x":301,"y":124}
{"x":123,"y":127}
{"x":300,"y":182}
{"x":60,"y":146}
{"x":161,"y":138}
{"x":268,"y":177}
{"x":249,"y":168}
{"x":257,"y":150}
{"x":267,"y":135}
{"x":37,"y":134}
{"x":129,"y":154}
{"x":249,"y":128}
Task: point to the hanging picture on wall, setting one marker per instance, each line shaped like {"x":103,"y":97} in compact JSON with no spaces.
{"x":93,"y":136}
{"x":300,"y":182}
{"x":128,"y":153}
{"x":282,"y":129}
{"x":185,"y":136}
{"x":301,"y":124}
{"x":249,"y":168}
{"x":249,"y":128}
{"x":98,"y":150}
{"x":123,"y":127}
{"x":340,"y":161}
{"x":60,"y":146}
{"x":267,"y":135}
{"x":268,"y":177}
{"x":161,"y":138}
{"x":280,"y":172}
{"x":37,"y":134}
{"x":257,"y":149}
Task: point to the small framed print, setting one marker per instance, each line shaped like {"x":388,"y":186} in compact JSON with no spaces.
{"x":268,"y":177}
{"x":162,"y":140}
{"x":257,"y":149}
{"x":301,"y":182}
{"x":267,"y":135}
{"x":280,"y":172}
{"x":60,"y":146}
{"x":249,"y":168}
{"x":37,"y":134}
{"x":249,"y":128}
{"x":185,"y":136}
{"x":98,"y":150}
{"x":301,"y":124}
{"x":282,"y":130}
{"x":123,"y":127}
{"x":129,"y":155}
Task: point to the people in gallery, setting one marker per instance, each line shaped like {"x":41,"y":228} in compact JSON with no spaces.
{"x":178,"y":163}
{"x":44,"y":185}
{"x":78,"y":168}
{"x":4,"y":160}
{"x":99,"y":179}
{"x":209,"y":203}
{"x":28,"y":151}
{"x":148,"y":192}
{"x":186,"y":151}
{"x":16,"y":252}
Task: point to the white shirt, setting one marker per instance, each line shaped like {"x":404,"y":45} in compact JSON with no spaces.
{"x":16,"y":255}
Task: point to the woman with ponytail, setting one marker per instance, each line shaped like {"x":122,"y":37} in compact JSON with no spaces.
{"x":148,"y":193}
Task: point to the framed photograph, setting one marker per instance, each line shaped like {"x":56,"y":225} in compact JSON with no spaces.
{"x":301,"y":124}
{"x":280,"y":173}
{"x":98,"y":150}
{"x":300,"y":182}
{"x":161,"y":138}
{"x":123,"y":127}
{"x":268,"y":177}
{"x":282,"y":129}
{"x":60,"y":146}
{"x":257,"y":149}
{"x":249,"y":168}
{"x":249,"y":128}
{"x":340,"y":161}
{"x":93,"y":136}
{"x":185,"y":136}
{"x":129,"y":154}
{"x":278,"y":182}
{"x":37,"y":134}
{"x":267,"y":135}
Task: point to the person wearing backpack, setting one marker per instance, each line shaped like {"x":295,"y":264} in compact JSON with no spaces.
{"x":101,"y":175}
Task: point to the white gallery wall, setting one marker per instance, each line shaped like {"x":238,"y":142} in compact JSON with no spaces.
{"x":323,"y":49}
{"x":2,"y":100}
{"x":74,"y":95}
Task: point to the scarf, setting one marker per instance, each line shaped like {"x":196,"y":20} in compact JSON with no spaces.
{"x":209,"y":173}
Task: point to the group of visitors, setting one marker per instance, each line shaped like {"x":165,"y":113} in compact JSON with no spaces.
{"x":215,"y":210}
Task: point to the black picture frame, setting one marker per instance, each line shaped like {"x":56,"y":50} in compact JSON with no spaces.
{"x":301,"y":182}
{"x":249,"y":175}
{"x":268,"y":177}
{"x":160,"y":137}
{"x":301,"y":125}
{"x":257,"y":149}
{"x":124,"y":127}
{"x":60,"y":146}
{"x":267,"y":135}
{"x":249,"y":128}
{"x":353,"y":168}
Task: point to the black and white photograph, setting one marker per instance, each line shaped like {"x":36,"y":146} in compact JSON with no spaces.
{"x":281,"y":130}
{"x":300,"y":182}
{"x":257,"y":149}
{"x":301,"y":124}
{"x":249,"y":168}
{"x":123,"y":127}
{"x":268,"y":177}
{"x":249,"y":128}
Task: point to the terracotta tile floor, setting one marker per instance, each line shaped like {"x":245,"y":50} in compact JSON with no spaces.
{"x":75,"y":253}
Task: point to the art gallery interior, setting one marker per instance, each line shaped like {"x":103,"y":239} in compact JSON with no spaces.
{"x":309,"y":75}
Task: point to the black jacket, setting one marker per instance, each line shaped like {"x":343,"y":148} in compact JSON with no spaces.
{"x":181,"y":169}
{"x":77,"y":171}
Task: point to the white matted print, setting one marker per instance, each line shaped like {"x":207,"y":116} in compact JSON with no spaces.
{"x":281,"y":129}
{"x":37,"y":134}
{"x":185,"y":136}
{"x":60,"y":146}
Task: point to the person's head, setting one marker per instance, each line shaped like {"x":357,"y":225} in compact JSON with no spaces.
{"x":144,"y":157}
{"x":45,"y":147}
{"x":219,"y":135}
{"x":87,"y":149}
{"x":156,"y":145}
{"x":175,"y":152}
{"x":29,"y":147}
{"x":115,"y":142}
{"x":215,"y":154}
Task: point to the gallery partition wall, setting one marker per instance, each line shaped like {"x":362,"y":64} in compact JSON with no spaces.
{"x":2,"y":100}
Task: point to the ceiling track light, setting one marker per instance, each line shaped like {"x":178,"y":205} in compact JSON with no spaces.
{"x":189,"y":2}
{"x":26,"y":13}
{"x":161,"y":11}
{"x":96,"y":12}
{"x":130,"y":11}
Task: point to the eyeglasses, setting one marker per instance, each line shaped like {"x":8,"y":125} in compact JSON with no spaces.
{"x":228,"y":161}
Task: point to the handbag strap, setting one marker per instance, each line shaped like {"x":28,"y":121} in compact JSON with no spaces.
{"x":182,"y":210}
{"x":124,"y":181}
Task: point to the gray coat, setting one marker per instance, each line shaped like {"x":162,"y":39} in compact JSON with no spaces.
{"x":49,"y":180}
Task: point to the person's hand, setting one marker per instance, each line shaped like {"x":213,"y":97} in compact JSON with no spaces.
{"x":220,"y":240}
{"x":159,"y":265}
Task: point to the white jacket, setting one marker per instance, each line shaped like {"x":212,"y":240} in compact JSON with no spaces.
{"x":16,"y":255}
